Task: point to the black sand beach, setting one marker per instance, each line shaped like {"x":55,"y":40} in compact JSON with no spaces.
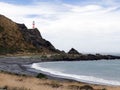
{"x":16,"y":65}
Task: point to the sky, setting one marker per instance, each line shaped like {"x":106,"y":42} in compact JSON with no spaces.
{"x":86,"y":25}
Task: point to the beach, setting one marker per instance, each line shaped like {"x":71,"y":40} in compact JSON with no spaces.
{"x":20,"y":77}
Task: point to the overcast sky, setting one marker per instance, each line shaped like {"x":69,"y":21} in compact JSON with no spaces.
{"x":86,"y":25}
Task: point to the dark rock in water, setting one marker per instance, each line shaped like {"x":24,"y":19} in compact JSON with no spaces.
{"x":73,"y":51}
{"x":17,"y":38}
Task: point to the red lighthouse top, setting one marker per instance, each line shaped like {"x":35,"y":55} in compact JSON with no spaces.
{"x":33,"y":24}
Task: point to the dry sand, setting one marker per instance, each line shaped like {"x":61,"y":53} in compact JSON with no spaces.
{"x":32,"y":83}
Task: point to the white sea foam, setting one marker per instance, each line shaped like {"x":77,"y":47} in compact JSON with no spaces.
{"x":83,"y":78}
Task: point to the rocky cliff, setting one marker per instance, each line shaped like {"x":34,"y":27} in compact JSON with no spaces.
{"x":16,"y":37}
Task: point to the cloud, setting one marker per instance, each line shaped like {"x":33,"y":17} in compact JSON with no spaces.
{"x":88,"y":28}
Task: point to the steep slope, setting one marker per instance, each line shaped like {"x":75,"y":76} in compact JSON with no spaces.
{"x":33,"y":36}
{"x":10,"y":37}
{"x":17,"y":38}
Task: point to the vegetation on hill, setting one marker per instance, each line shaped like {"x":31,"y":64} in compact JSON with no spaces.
{"x":17,"y":38}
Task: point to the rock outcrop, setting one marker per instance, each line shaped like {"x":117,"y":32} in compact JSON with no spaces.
{"x":73,"y":51}
{"x":16,"y":37}
{"x":33,"y":36}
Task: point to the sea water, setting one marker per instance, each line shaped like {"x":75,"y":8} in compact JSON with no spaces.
{"x":106,"y":72}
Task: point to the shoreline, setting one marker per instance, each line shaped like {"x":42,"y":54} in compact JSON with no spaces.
{"x":67,"y":76}
{"x":15,"y":65}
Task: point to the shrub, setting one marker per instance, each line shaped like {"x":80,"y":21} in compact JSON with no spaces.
{"x":17,"y":88}
{"x":1,"y":29}
{"x":4,"y":50}
{"x":20,"y":88}
{"x":74,"y":87}
{"x":77,"y":87}
{"x":86,"y":87}
{"x":5,"y":88}
{"x":54,"y":84}
{"x":104,"y":89}
{"x":41,"y":76}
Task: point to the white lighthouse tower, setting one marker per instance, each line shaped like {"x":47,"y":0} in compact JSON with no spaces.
{"x":33,"y":25}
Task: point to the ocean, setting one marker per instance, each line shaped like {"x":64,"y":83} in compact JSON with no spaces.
{"x":104,"y":72}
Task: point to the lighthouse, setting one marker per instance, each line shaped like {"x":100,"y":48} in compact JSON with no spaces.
{"x":33,"y":25}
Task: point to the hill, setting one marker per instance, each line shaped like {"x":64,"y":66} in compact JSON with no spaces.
{"x":16,"y":37}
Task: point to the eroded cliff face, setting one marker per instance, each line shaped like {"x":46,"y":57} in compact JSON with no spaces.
{"x":33,"y":36}
{"x":16,"y":37}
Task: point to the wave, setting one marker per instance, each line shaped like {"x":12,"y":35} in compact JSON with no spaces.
{"x":82,"y":78}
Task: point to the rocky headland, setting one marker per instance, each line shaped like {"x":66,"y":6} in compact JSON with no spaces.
{"x":16,"y":39}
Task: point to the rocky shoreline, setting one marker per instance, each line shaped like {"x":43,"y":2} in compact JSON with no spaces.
{"x":18,"y":64}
